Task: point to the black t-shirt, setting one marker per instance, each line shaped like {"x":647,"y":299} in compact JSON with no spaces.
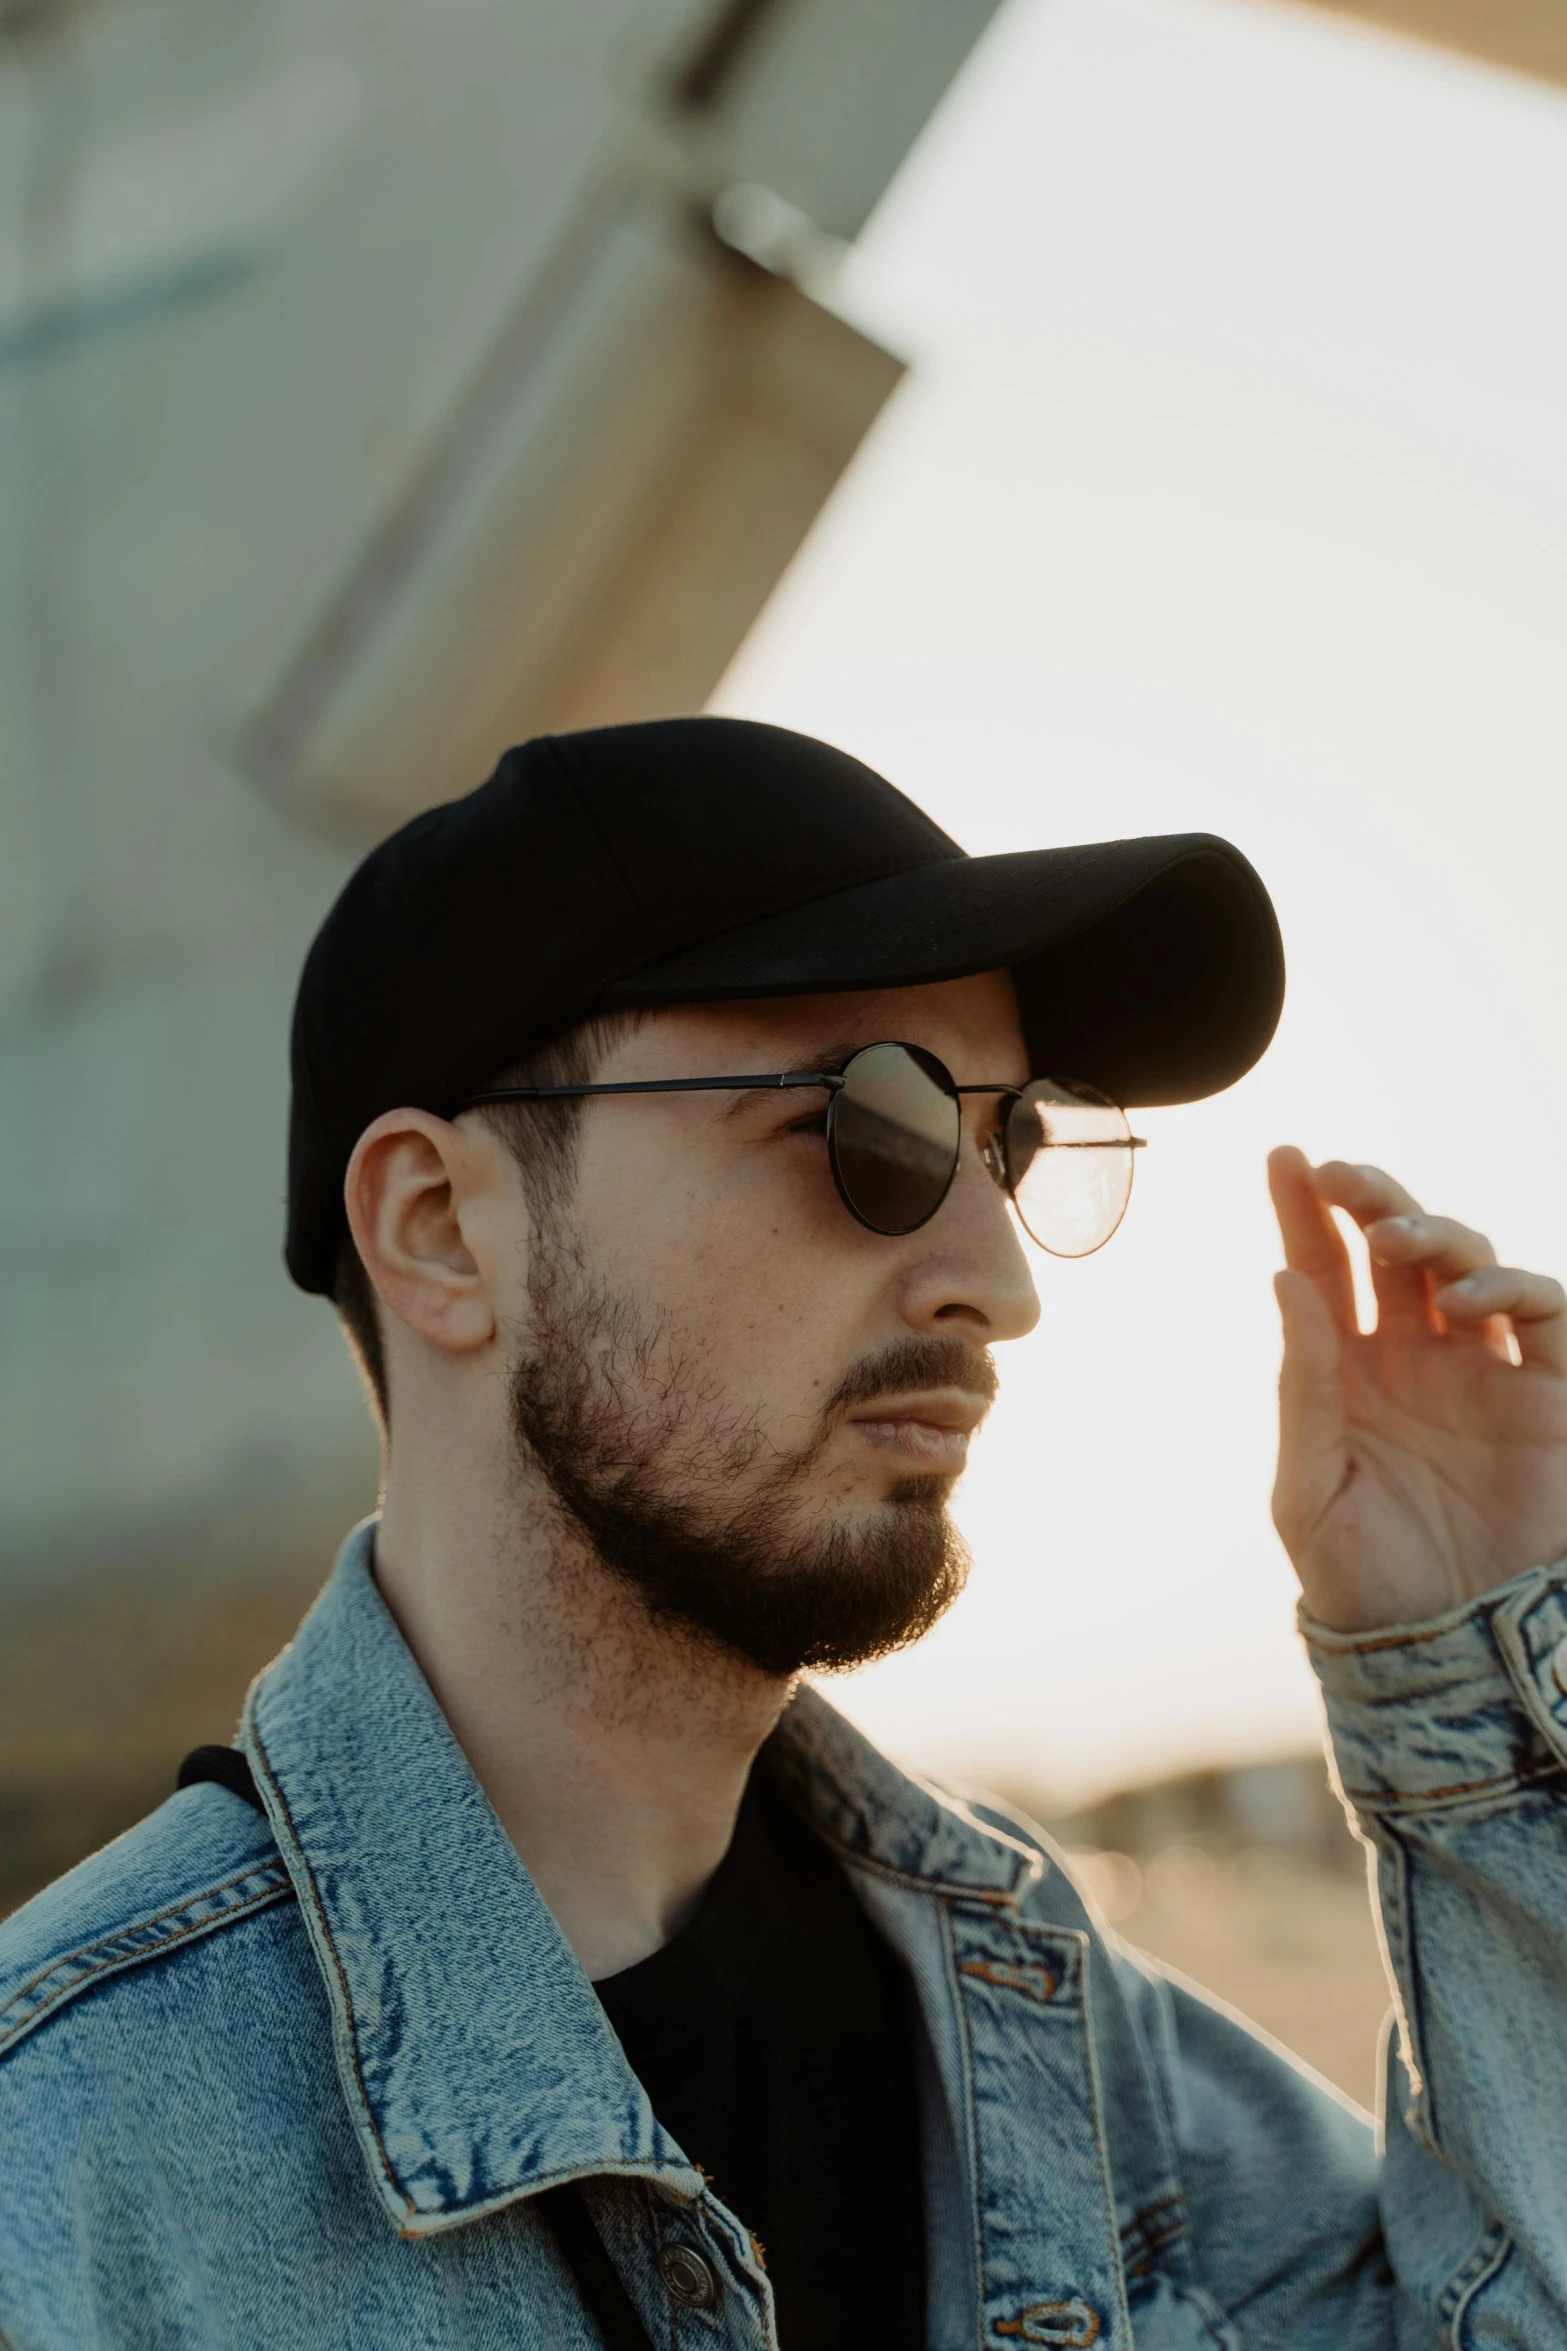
{"x":775,"y":2038}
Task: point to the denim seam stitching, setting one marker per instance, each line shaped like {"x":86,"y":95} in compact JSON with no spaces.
{"x":1032,"y":1867}
{"x":392,"y":2181}
{"x":1153,"y":2231}
{"x":1483,"y":1610}
{"x":463,"y":2215}
{"x":1415,"y":1800}
{"x":275,"y":1885}
{"x":966,"y":2030}
{"x":1420,"y":2112}
{"x":136,"y":1927}
{"x":1151,"y":2212}
{"x":1096,"y":2095}
{"x":1096,"y":2101}
{"x":993,"y":1897}
{"x":1352,"y":1645}
{"x":920,"y":1882}
{"x":1491,"y":2250}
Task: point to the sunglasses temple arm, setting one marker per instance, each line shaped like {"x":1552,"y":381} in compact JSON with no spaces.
{"x":734,"y":1085}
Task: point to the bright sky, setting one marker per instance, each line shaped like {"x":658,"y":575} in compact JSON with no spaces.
{"x":1229,"y":491}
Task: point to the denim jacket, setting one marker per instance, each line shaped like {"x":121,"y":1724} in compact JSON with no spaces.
{"x":293,"y":2080}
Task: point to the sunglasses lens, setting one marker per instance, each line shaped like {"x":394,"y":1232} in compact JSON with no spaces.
{"x":1069,"y":1161}
{"x":896,"y":1127}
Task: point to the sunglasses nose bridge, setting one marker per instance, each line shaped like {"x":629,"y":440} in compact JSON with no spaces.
{"x":993,"y":1153}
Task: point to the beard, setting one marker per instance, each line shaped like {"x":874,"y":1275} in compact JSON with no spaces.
{"x":688,"y":1502}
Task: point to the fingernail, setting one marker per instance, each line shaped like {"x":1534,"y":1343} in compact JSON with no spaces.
{"x":1465,"y":1288}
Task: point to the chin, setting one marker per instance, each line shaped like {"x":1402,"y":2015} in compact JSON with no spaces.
{"x":922,"y":1491}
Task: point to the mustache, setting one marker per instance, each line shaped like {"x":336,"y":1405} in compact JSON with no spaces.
{"x":911,"y":1364}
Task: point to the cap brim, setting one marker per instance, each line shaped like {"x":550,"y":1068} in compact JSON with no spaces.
{"x":1151,"y":969}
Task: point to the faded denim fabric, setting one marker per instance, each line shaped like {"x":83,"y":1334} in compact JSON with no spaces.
{"x":292,"y":2082}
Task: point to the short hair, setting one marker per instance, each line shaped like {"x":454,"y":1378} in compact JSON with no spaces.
{"x":542,"y":1138}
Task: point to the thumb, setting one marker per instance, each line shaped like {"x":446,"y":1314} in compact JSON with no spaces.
{"x":1311,"y":1338}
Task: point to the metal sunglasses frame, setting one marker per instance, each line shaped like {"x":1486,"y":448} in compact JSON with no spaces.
{"x":993,"y":1153}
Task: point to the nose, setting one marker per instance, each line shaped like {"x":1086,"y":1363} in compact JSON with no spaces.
{"x":967,"y":1273}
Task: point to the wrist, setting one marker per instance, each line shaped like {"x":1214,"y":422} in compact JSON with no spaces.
{"x":1372,"y":1601}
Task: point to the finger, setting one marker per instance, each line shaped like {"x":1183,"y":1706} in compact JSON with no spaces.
{"x":1313,"y":1244}
{"x":1440,"y":1245}
{"x":1370,"y":1196}
{"x":1411,"y":1256}
{"x":1364,"y":1192}
{"x":1535,"y":1305}
{"x":1420,"y":1251}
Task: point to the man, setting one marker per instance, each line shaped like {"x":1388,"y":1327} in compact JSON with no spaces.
{"x":552,"y":1967}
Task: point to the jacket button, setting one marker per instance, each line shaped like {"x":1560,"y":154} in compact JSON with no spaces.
{"x":689,"y":2278}
{"x":1559,"y":1665}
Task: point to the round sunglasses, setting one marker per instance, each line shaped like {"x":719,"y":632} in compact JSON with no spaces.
{"x":1062,"y":1154}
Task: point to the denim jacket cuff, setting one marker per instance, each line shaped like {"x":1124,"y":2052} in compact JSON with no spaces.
{"x":1464,"y":1709}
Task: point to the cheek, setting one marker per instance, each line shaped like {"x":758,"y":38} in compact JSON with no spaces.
{"x":757,"y":1271}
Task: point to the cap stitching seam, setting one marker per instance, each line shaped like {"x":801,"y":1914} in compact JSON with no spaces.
{"x":596,"y":829}
{"x":812,"y":897}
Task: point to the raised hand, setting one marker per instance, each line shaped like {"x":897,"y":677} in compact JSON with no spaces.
{"x":1422,"y":1463}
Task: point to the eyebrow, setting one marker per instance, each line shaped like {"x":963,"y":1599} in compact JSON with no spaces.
{"x":829,"y":1059}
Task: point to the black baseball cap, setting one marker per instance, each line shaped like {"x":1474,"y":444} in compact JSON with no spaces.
{"x":699,"y":859}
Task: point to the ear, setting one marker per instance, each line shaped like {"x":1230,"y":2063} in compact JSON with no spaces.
{"x":434,"y":1216}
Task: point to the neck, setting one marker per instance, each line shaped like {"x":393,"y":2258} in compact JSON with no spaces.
{"x":615,"y":1750}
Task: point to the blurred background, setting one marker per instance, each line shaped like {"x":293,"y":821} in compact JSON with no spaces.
{"x":1105,"y":416}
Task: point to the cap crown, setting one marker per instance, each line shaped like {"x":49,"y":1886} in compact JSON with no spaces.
{"x":488,"y":925}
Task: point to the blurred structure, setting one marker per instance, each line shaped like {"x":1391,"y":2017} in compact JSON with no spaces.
{"x":377,"y":385}
{"x":1530,"y":36}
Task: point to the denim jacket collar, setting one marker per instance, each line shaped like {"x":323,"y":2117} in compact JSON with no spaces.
{"x":476,"y":2062}
{"x":885,"y":1819}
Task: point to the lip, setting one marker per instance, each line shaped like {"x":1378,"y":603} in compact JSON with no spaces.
{"x":931,"y":1427}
